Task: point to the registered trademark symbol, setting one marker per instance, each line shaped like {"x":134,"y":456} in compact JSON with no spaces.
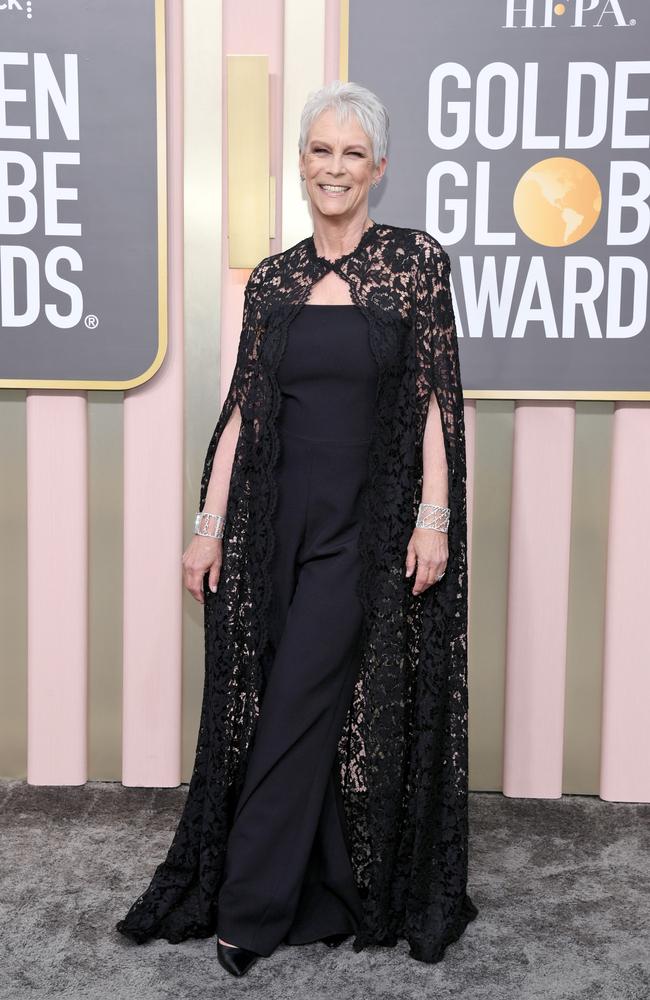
{"x":91,"y":322}
{"x":632,"y":21}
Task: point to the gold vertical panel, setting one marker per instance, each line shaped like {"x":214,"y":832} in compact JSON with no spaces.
{"x":587,"y":578}
{"x":105,"y":578}
{"x":13,"y":585}
{"x":489,"y":597}
{"x":203,"y":229}
{"x":248,"y":159}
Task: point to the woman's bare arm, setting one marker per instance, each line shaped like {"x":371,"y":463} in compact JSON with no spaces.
{"x":219,"y":485}
{"x":434,"y":460}
{"x":204,"y":554}
{"x":428,"y":549}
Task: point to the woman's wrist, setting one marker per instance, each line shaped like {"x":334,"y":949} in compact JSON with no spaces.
{"x":209,"y":525}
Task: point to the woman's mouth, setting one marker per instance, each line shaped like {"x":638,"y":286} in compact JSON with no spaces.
{"x":334,"y":190}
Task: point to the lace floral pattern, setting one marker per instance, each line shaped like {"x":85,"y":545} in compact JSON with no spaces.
{"x":403,"y":749}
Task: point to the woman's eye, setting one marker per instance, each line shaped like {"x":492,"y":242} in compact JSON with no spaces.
{"x":355,"y":152}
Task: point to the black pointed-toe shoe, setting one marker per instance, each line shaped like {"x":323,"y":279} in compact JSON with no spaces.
{"x":334,"y":940}
{"x":236,"y":961}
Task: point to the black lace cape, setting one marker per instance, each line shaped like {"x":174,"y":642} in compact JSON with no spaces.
{"x":403,"y":749}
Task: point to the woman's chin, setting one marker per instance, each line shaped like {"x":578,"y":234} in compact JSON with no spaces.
{"x":329,"y":206}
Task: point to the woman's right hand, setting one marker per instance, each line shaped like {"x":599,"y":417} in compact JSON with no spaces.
{"x":203,"y":554}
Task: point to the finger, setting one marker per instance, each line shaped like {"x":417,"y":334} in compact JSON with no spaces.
{"x":410,"y":561}
{"x":421,"y":578}
{"x":429,"y":577}
{"x":202,"y":586}
{"x":213,"y":578}
{"x":193,"y":582}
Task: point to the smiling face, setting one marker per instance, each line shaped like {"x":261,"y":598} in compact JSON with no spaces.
{"x":338,"y":166}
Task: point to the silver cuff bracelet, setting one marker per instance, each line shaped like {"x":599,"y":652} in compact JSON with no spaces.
{"x":210,"y":525}
{"x":431,"y":515}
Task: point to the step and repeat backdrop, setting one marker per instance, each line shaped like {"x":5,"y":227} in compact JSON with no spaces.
{"x":519,"y":138}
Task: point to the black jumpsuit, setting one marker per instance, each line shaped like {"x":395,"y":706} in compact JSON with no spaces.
{"x":288,"y":876}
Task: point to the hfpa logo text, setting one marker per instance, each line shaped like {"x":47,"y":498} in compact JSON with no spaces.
{"x":573,"y":13}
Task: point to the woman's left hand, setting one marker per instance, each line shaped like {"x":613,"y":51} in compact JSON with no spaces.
{"x":428,"y":549}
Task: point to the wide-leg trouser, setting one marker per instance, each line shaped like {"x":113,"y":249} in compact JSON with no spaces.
{"x":288,"y":876}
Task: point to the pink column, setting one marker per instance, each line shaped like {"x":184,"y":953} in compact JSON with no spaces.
{"x":255,"y":26}
{"x":332,"y":40}
{"x":625,"y":746}
{"x":57,"y":587}
{"x":537,"y":598}
{"x":153,"y":503}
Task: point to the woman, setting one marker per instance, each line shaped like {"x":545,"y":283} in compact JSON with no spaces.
{"x":329,"y":791}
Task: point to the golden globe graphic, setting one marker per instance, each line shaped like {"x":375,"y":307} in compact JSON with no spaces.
{"x":557,"y":201}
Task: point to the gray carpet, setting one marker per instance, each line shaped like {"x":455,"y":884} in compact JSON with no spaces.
{"x":563,"y":889}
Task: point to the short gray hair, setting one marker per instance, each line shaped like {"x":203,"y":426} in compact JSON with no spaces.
{"x":345,"y":99}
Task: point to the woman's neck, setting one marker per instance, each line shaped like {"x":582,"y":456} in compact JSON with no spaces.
{"x":336,"y":237}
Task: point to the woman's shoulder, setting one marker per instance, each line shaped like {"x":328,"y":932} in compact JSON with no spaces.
{"x":419,"y":241}
{"x":278,"y":264}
